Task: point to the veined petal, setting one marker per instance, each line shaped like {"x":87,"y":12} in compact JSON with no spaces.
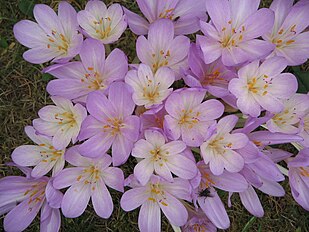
{"x":67,"y":177}
{"x":121,"y":150}
{"x":181,"y":166}
{"x":96,"y":145}
{"x":149,"y":218}
{"x":137,"y":24}
{"x":133,"y":198}
{"x":92,"y":55}
{"x":27,"y":155}
{"x":113,"y":177}
{"x":102,"y":200}
{"x":251,"y":202}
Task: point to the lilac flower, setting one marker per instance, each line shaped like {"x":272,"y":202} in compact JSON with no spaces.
{"x":43,"y":155}
{"x":23,"y":198}
{"x":299,"y":177}
{"x":62,"y":121}
{"x":162,"y":48}
{"x":188,"y":117}
{"x":213,"y":77}
{"x":155,"y":195}
{"x":88,"y":180}
{"x":233,"y":32}
{"x":289,"y":31}
{"x":98,"y":22}
{"x":150,"y":89}
{"x":219,"y":149}
{"x":153,"y":118}
{"x":289,"y":119}
{"x":183,"y":13}
{"x":161,"y":157}
{"x":77,"y":79}
{"x":305,"y":131}
{"x":198,"y":222}
{"x":110,"y":123}
{"x":53,"y":37}
{"x":263,"y":87}
{"x":211,"y":203}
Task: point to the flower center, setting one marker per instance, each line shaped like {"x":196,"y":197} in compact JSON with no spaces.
{"x":90,"y":176}
{"x":65,"y":118}
{"x":304,"y":171}
{"x":199,"y":228}
{"x":167,"y":14}
{"x":58,"y":42}
{"x":49,"y":153}
{"x":157,"y":194}
{"x":160,"y":59}
{"x":36,"y":193}
{"x":259,"y":85}
{"x":284,"y":37}
{"x":230,"y":36}
{"x":114,"y":126}
{"x":189,"y":118}
{"x":103,"y":27}
{"x":94,"y":79}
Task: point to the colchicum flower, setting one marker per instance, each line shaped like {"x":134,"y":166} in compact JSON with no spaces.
{"x":98,"y":22}
{"x":233,"y":31}
{"x":299,"y":177}
{"x":305,"y":130}
{"x":183,"y":13}
{"x":189,"y":118}
{"x":110,"y":123}
{"x":198,"y":222}
{"x":162,"y":158}
{"x":62,"y":121}
{"x":263,"y":86}
{"x":88,"y":180}
{"x":43,"y":155}
{"x":219,"y":150}
{"x":213,"y":77}
{"x":150,"y":89}
{"x":162,"y":48}
{"x":289,"y":31}
{"x":288,"y":121}
{"x":77,"y":79}
{"x":155,"y":196}
{"x":24,"y":197}
{"x":54,"y":37}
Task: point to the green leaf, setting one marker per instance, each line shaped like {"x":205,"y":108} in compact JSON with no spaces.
{"x":3,"y":43}
{"x":249,"y":224}
{"x":46,"y":77}
{"x":303,"y":80}
{"x":26,"y":7}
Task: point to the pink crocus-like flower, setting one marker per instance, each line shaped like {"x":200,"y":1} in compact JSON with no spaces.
{"x":24,"y":197}
{"x":288,"y":121}
{"x":233,"y":30}
{"x":162,"y":48}
{"x":62,"y":121}
{"x":155,"y":196}
{"x":207,"y":198}
{"x":263,"y":86}
{"x":153,"y":118}
{"x":162,"y":158}
{"x":289,"y":31}
{"x":102,"y":23}
{"x":189,"y":118}
{"x":219,"y":149}
{"x":299,"y":177}
{"x":150,"y":89}
{"x":53,"y":37}
{"x":198,"y":222}
{"x":213,"y":77}
{"x":183,"y":13}
{"x":43,"y":155}
{"x":110,"y":123}
{"x":88,"y":180}
{"x":94,"y":72}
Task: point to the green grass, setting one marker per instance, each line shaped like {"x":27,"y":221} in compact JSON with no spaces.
{"x":22,"y":94}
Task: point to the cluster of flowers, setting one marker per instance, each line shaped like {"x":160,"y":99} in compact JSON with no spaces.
{"x":184,"y":140}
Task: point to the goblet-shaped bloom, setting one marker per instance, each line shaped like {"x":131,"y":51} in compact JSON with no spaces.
{"x":62,"y":121}
{"x":88,"y":180}
{"x":299,"y":177}
{"x":110,"y":123}
{"x":198,"y":221}
{"x":162,"y":158}
{"x":263,"y":86}
{"x":288,"y":121}
{"x":289,"y":31}
{"x":24,"y":197}
{"x":155,"y":196}
{"x":77,"y":79}
{"x":53,"y":37}
{"x":233,"y":32}
{"x":189,"y":118}
{"x":102,"y":23}
{"x":43,"y":155}
{"x":219,"y":149}
{"x":150,"y":89}
{"x":162,"y":48}
{"x":183,"y":13}
{"x":213,"y":77}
